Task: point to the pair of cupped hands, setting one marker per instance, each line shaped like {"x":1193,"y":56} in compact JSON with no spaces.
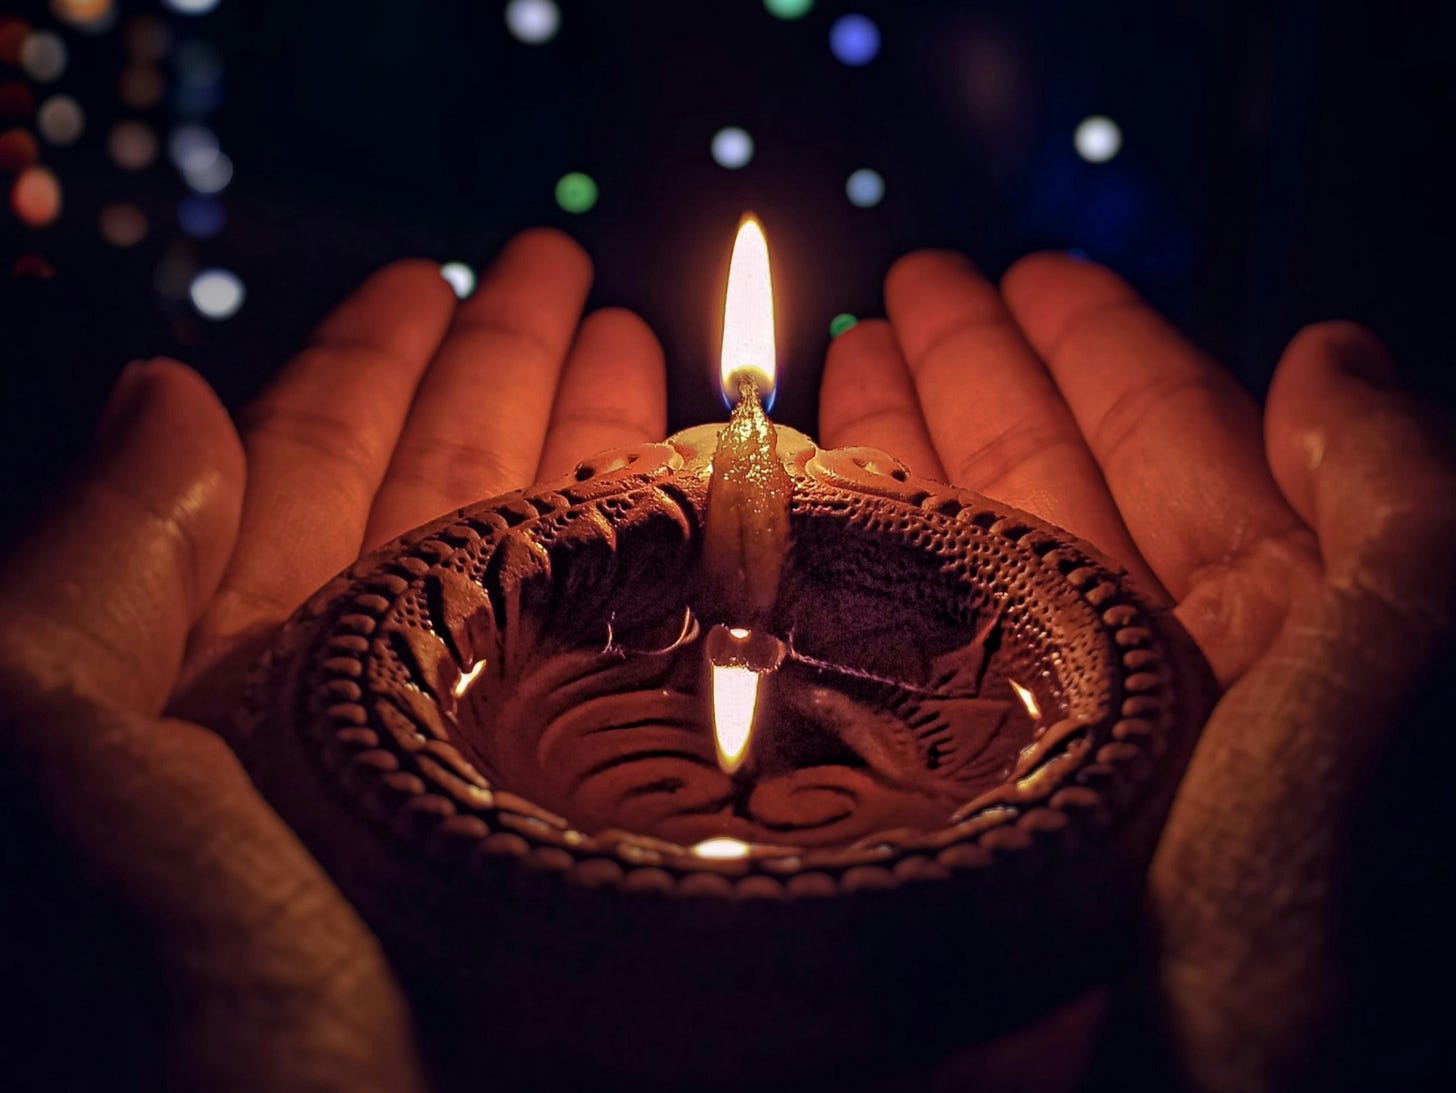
{"x":1306,"y":548}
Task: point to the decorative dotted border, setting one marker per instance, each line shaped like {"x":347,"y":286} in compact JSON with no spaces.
{"x":1080,"y":774}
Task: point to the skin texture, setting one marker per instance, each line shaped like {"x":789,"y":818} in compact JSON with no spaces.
{"x":173,"y":557}
{"x":1304,"y":550}
{"x":1307,"y":552}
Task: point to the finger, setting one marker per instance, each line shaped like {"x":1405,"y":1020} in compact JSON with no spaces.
{"x":479,"y":420}
{"x":318,"y":442}
{"x":1179,"y":444}
{"x":100,"y":598}
{"x":867,"y":399}
{"x":613,"y":392}
{"x":995,"y":415}
{"x":1362,"y":465}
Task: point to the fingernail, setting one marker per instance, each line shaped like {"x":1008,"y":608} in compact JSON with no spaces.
{"x":1363,"y":358}
{"x":125,"y":396}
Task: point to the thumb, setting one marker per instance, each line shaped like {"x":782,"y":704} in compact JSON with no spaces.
{"x":99,"y":599}
{"x":1366,"y":468}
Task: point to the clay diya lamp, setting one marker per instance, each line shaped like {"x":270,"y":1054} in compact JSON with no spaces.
{"x":730,"y":761}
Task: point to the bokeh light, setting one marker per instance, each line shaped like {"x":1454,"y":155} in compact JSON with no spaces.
{"x":732,"y":147}
{"x":18,"y":150}
{"x":210,"y":177}
{"x":132,"y":144}
{"x":865,"y":188}
{"x":60,"y":120}
{"x":191,"y":7}
{"x":43,"y":56}
{"x":842,"y":322}
{"x":192,"y":147}
{"x":32,"y":265}
{"x":854,"y":40}
{"x":141,"y":86}
{"x":789,"y":9}
{"x":217,"y":293}
{"x":122,"y":224}
{"x":1097,"y":139}
{"x":576,"y":192}
{"x":460,"y":276}
{"x":533,"y":21}
{"x":201,"y":215}
{"x":88,"y":15}
{"x":36,"y":196}
{"x":147,"y":38}
{"x":13,"y":33}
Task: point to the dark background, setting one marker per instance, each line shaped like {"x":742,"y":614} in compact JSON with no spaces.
{"x":1280,"y":164}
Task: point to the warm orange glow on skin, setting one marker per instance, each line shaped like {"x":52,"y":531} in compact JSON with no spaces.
{"x":735,"y":698}
{"x":748,"y":316}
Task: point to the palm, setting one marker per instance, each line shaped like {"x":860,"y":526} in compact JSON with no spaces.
{"x":1066,"y":396}
{"x":403,"y":407}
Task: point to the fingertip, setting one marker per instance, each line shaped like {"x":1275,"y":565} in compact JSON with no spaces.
{"x":928,"y":263}
{"x":552,"y":245}
{"x":183,"y":424}
{"x":1330,"y":375}
{"x":622,"y":326}
{"x":415,"y":277}
{"x":1028,"y":271}
{"x":120,"y":566}
{"x":855,"y":352}
{"x":1046,"y":290}
{"x":176,"y":400}
{"x":866,"y":333}
{"x":620,"y":338}
{"x":1348,"y":346}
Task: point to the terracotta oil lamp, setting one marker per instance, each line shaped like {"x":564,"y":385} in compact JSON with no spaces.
{"x":731,"y":760}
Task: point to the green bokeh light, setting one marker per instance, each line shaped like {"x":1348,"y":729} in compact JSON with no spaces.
{"x":576,"y":192}
{"x":788,"y":9}
{"x":840,"y":323}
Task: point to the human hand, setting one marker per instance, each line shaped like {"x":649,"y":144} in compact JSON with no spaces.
{"x":1308,"y":555}
{"x":174,"y":556}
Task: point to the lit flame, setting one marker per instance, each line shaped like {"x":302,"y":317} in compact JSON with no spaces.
{"x":748,"y":317}
{"x":735,"y":697}
{"x":721,"y":848}
{"x":1027,"y":699}
{"x":467,"y":678}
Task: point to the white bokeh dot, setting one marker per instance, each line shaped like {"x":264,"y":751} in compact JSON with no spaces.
{"x":1097,"y":139}
{"x":460,"y":276}
{"x":60,"y":119}
{"x":216,"y":293}
{"x":211,"y":177}
{"x":192,"y":147}
{"x":43,"y":56}
{"x":732,"y":148}
{"x":191,"y":7}
{"x":533,"y":21}
{"x":865,"y":188}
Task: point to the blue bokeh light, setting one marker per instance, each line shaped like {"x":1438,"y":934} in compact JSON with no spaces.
{"x":854,"y":40}
{"x":201,"y":215}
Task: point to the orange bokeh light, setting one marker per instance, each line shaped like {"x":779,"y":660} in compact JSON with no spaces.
{"x":13,"y":33}
{"x":36,"y":196}
{"x":18,"y":150}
